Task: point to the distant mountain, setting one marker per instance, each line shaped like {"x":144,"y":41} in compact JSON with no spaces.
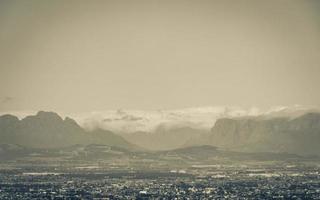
{"x":300,"y":135}
{"x":164,"y":138}
{"x":49,"y":130}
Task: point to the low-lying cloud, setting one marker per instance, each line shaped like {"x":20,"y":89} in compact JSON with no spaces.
{"x":128,"y":121}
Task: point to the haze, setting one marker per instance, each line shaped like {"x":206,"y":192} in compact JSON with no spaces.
{"x":78,"y":56}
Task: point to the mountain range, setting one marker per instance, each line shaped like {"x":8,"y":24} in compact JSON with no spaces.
{"x":279,"y":134}
{"x":299,"y":135}
{"x":49,"y":130}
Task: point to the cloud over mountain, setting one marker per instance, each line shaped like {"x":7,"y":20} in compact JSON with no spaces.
{"x":130,"y":121}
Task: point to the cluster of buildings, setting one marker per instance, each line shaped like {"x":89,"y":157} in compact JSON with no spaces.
{"x":224,"y":184}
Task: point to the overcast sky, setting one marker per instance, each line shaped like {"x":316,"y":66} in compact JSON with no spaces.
{"x":97,"y":55}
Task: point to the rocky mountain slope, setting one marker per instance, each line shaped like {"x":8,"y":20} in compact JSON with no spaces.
{"x":49,"y":130}
{"x":300,"y":135}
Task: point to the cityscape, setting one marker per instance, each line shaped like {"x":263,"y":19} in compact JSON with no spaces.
{"x":159,"y":99}
{"x":104,"y":172}
{"x":211,"y":182}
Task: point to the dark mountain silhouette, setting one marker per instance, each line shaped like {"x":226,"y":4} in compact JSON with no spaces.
{"x":49,"y":130}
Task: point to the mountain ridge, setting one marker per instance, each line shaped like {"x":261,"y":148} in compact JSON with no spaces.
{"x":49,"y":130}
{"x":281,"y":134}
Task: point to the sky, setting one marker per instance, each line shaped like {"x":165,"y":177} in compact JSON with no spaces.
{"x":81,"y":56}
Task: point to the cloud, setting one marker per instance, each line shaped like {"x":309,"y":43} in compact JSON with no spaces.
{"x":148,"y":120}
{"x":123,"y":118}
{"x":199,"y":118}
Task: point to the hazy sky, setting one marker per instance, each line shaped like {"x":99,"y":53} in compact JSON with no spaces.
{"x":97,"y":55}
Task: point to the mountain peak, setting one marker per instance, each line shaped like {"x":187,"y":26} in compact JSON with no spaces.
{"x":8,"y":117}
{"x":48,"y":115}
